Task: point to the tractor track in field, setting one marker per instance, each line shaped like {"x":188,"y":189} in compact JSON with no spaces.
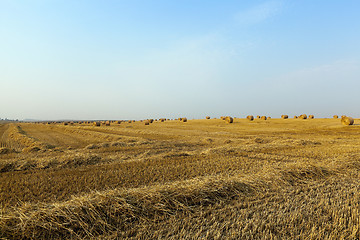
{"x":3,"y":138}
{"x":55,"y":137}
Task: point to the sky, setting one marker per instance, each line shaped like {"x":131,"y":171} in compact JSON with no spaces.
{"x":138,"y":59}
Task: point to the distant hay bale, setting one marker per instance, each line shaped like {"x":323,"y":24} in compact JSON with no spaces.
{"x":65,"y":123}
{"x":284,"y":116}
{"x":250,"y":117}
{"x":311,"y":116}
{"x":347,"y":121}
{"x":147,"y":122}
{"x":107,"y":123}
{"x":258,"y":117}
{"x":151,"y":120}
{"x":229,"y":119}
{"x":336,"y":116}
{"x":263,"y":118}
{"x":184,"y":119}
{"x":118,"y":122}
{"x":162,"y":120}
{"x":295,"y":117}
{"x":303,"y":116}
{"x":130,"y":121}
{"x":269,"y":118}
{"x":222,"y":118}
{"x":207,"y":117}
{"x":97,"y":124}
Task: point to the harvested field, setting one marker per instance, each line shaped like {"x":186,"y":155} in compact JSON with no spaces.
{"x":204,"y":179}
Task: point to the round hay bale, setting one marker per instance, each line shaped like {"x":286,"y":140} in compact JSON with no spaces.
{"x":151,"y":120}
{"x":97,"y":124}
{"x":347,"y":121}
{"x":222,"y":118}
{"x":147,"y":122}
{"x":65,"y":123}
{"x":295,"y":117}
{"x":284,"y":116}
{"x":207,"y":117}
{"x":184,"y":119}
{"x":258,"y":117}
{"x":250,"y":117}
{"x":229,"y":119}
{"x":269,"y":118}
{"x":263,"y":118}
{"x":107,"y":123}
{"x":311,"y":116}
{"x":303,"y":116}
{"x":336,"y":116}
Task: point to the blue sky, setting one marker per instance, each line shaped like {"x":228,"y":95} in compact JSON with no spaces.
{"x":137,"y":59}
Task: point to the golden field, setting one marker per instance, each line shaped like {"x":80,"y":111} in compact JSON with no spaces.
{"x":200,"y":179}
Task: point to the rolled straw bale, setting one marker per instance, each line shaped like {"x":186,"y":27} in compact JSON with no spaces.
{"x":303,"y":116}
{"x":347,"y":121}
{"x":184,"y":119}
{"x":263,"y":118}
{"x":107,"y":123}
{"x":336,"y":116}
{"x":311,"y":116}
{"x":284,"y":116}
{"x":295,"y":117}
{"x":229,"y":119}
{"x":250,"y":117}
{"x":207,"y":117}
{"x":147,"y":122}
{"x":97,"y":124}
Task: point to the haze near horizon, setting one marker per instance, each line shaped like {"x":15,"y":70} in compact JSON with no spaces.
{"x":151,"y":59}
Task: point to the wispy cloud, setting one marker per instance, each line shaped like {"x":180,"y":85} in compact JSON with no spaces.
{"x":259,"y":13}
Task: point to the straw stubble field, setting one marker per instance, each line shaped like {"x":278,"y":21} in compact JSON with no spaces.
{"x":272,"y":179}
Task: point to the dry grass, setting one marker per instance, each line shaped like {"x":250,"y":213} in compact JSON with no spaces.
{"x":201,"y":180}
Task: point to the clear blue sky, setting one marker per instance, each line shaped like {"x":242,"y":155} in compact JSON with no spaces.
{"x":87,"y":59}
